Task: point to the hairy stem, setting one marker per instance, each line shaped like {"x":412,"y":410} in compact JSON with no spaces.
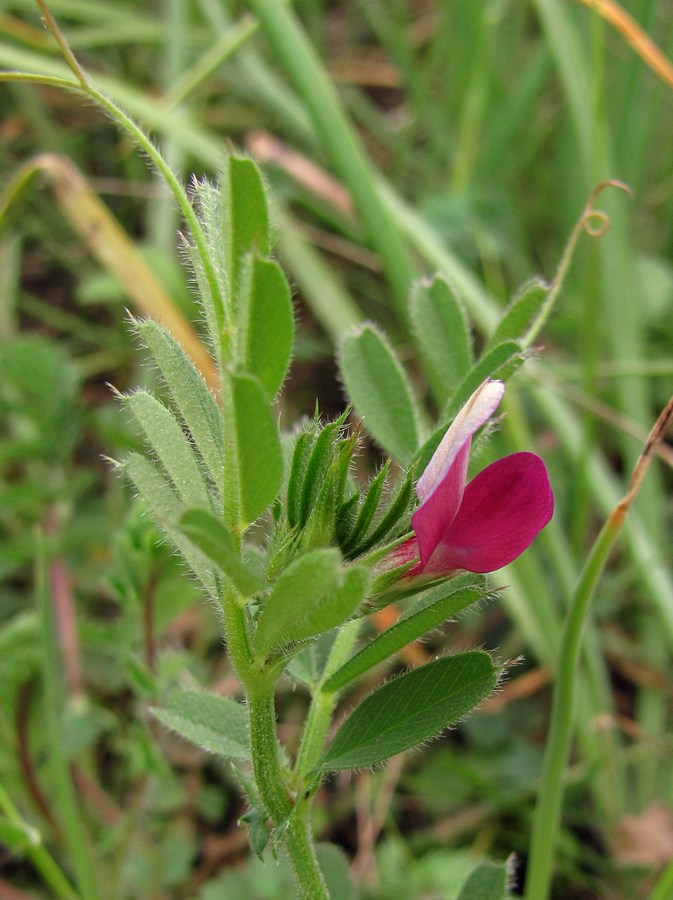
{"x":271,"y":781}
{"x":275,"y":795}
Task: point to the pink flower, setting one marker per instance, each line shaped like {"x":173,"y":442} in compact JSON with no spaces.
{"x":486,"y":524}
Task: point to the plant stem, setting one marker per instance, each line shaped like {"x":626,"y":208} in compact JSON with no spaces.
{"x":323,"y":702}
{"x":272,"y":785}
{"x":179,"y":193}
{"x":315,"y":730}
{"x":301,"y":850}
{"x":274,"y":793}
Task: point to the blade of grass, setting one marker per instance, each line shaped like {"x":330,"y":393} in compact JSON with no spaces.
{"x":338,"y":140}
{"x":38,"y":854}
{"x":548,"y":809}
{"x":72,"y":822}
{"x":639,"y":40}
{"x":664,"y":886}
{"x":324,"y":293}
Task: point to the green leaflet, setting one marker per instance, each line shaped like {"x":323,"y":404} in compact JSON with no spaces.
{"x":258,"y":450}
{"x":309,"y":664}
{"x":173,"y":450}
{"x":166,"y":509}
{"x":442,"y":332}
{"x":216,"y":308}
{"x":266,"y":323}
{"x":212,"y":538}
{"x":489,"y":881}
{"x":312,"y":595}
{"x":214,"y":723}
{"x":521,"y":313}
{"x":410,"y":709}
{"x":246,"y":216}
{"x":192,"y":399}
{"x":380,"y":392}
{"x":448,"y":602}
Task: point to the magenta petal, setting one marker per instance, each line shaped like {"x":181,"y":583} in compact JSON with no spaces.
{"x":435,"y":515}
{"x":503,"y":509}
{"x":440,"y":487}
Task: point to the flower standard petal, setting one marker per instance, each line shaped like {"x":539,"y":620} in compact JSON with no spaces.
{"x":480,"y":406}
{"x":503,"y":509}
{"x":440,"y":487}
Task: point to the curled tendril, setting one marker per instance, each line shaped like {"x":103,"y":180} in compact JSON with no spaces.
{"x":596,"y":222}
{"x":592,"y":221}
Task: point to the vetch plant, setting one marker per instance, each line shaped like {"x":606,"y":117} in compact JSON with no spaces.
{"x":293,"y":553}
{"x":291,"y":549}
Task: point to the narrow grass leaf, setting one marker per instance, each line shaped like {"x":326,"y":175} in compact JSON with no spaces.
{"x":192,"y":399}
{"x":173,"y":450}
{"x":521,"y":313}
{"x":212,"y":538}
{"x":409,"y":629}
{"x":411,"y":709}
{"x":18,"y":837}
{"x":442,"y":332}
{"x":313,"y":595}
{"x":379,"y":390}
{"x":260,"y":458}
{"x":215,"y":724}
{"x":267,"y":324}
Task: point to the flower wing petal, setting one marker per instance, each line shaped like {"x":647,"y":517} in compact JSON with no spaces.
{"x":503,"y":509}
